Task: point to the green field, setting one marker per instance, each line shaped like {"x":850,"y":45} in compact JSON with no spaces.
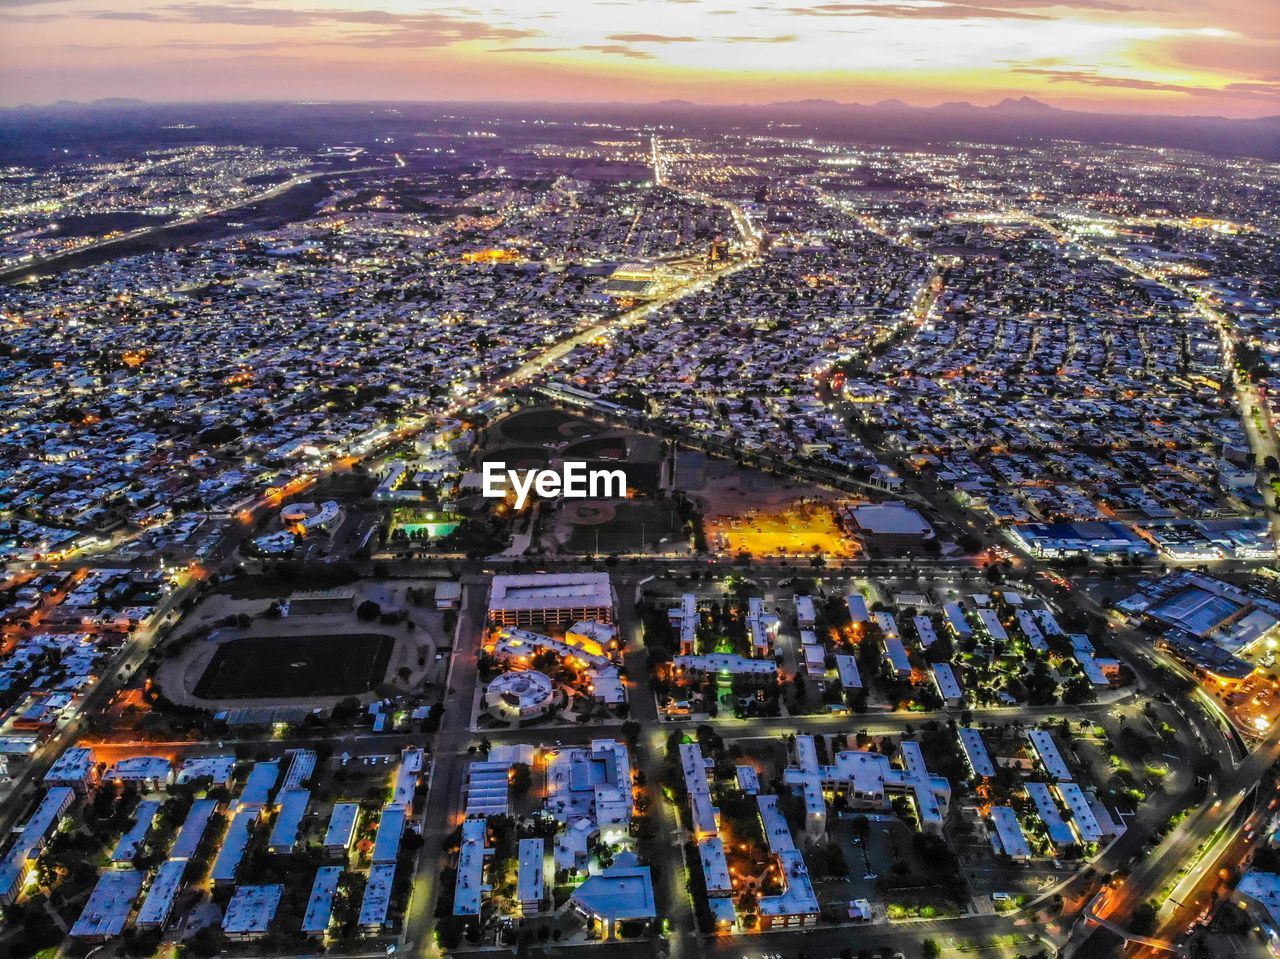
{"x":280,"y":667}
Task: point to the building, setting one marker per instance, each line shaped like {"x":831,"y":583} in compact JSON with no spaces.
{"x":386,"y":845}
{"x":531,"y":879}
{"x":704,"y":817}
{"x":1008,"y":833}
{"x":284,"y":834}
{"x":76,"y":768}
{"x":858,"y":612}
{"x":867,"y":781}
{"x":754,"y":672}
{"x":589,"y":794}
{"x":234,"y":844}
{"x":130,"y":844}
{"x":315,"y":922}
{"x":895,"y":655}
{"x":550,"y":599}
{"x":847,"y":671}
{"x":377,"y":897}
{"x":489,"y":780}
{"x":258,"y":787}
{"x":521,"y":647}
{"x":302,"y":763}
{"x":250,"y":911}
{"x":684,"y":619}
{"x":1083,"y":822}
{"x":1260,"y":893}
{"x":193,"y":828}
{"x":621,"y":893}
{"x":1052,"y":760}
{"x":342,"y":829}
{"x":217,"y":769}
{"x":797,"y":904}
{"x":107,"y":910}
{"x":944,"y":678}
{"x":975,"y":754}
{"x":149,"y":772}
{"x":806,"y":615}
{"x":158,"y":904}
{"x":520,"y":696}
{"x":1060,"y":834}
{"x":473,"y":859}
{"x":20,"y":859}
{"x":408,"y":777}
{"x":893,"y":525}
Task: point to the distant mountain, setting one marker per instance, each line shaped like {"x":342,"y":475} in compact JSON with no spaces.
{"x":812,"y":103}
{"x":1024,"y":105}
{"x":893,"y":103}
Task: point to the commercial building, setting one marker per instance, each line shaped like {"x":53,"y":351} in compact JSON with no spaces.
{"x":621,"y":893}
{"x":550,"y":599}
{"x":520,"y":696}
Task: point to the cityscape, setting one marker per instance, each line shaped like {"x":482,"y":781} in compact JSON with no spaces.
{"x":694,"y":530}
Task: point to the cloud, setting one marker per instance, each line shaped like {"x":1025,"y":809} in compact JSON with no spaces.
{"x":953,"y":9}
{"x":618,"y":49}
{"x":1252,"y":90}
{"x":907,"y":11}
{"x":385,"y":28}
{"x":649,"y":38}
{"x":614,"y":49}
{"x":781,"y":38}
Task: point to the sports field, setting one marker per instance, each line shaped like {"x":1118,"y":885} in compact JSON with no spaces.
{"x":280,"y":667}
{"x":796,"y":529}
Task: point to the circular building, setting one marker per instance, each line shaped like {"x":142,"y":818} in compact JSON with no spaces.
{"x":520,"y":696}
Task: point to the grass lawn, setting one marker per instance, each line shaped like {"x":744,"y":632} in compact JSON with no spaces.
{"x":262,"y":667}
{"x":622,"y":533}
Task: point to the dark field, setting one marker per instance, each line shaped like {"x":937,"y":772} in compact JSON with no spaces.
{"x":277,"y":667}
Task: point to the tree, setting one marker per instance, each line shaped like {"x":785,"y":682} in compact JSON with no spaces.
{"x":521,"y":778}
{"x":631,"y":732}
{"x":930,"y":949}
{"x":368,"y":611}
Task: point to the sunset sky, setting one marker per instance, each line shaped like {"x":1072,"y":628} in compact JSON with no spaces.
{"x":1161,"y":56}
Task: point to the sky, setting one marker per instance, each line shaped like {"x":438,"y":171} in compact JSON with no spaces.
{"x":1150,"y":56}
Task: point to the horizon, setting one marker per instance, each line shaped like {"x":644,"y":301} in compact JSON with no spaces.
{"x":1172,"y":58}
{"x":1010,"y":102}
